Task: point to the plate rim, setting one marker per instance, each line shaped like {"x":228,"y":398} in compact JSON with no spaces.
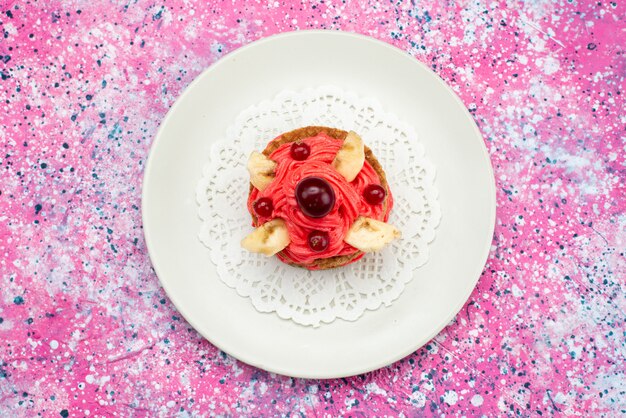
{"x":241,"y":354}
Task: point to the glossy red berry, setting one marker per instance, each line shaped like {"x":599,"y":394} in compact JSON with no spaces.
{"x":300,"y":151}
{"x":263,"y":207}
{"x":374,"y":194}
{"x":315,"y":197}
{"x":318,"y":240}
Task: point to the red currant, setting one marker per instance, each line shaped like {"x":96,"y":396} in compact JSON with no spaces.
{"x":318,"y":240}
{"x":300,"y":151}
{"x":263,"y":207}
{"x":374,"y":194}
{"x":315,"y":197}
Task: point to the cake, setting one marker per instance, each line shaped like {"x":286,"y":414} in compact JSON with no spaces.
{"x":318,"y":198}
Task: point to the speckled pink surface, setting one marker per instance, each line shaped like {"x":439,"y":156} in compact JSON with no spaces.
{"x":85,"y":327}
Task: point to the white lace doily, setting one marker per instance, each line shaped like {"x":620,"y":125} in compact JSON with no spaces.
{"x":315,"y":297}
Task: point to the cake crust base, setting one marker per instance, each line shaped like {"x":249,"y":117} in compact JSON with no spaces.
{"x":307,"y":132}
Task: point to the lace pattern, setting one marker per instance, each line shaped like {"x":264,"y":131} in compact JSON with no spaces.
{"x":316,"y":297}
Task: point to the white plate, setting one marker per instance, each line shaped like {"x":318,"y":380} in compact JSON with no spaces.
{"x":403,"y":86}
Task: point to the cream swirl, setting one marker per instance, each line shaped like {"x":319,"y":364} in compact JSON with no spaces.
{"x":349,"y":201}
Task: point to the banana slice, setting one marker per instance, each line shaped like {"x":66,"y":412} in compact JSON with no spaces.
{"x":261,"y":170}
{"x":368,"y":235}
{"x":268,"y":239}
{"x":350,"y":157}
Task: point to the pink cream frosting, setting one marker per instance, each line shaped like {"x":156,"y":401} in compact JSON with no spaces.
{"x":348,"y":206}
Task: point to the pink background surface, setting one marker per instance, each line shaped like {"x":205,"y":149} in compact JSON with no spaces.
{"x":86,"y":329}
